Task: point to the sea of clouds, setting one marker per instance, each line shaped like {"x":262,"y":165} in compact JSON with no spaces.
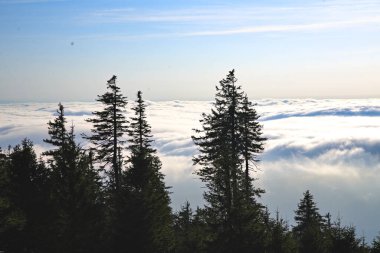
{"x":329,"y":146}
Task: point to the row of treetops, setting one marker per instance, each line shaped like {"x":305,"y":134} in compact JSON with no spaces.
{"x":97,"y":199}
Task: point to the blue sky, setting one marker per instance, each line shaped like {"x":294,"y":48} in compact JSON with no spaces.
{"x":65,"y":50}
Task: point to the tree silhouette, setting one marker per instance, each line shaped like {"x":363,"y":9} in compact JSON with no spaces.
{"x":24,"y":203}
{"x":226,"y":146}
{"x":309,"y":225}
{"x":109,"y":126}
{"x":75,"y":191}
{"x":148,"y":198}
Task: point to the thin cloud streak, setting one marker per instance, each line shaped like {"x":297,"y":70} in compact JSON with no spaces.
{"x":229,"y":13}
{"x":233,"y":20}
{"x":313,"y":27}
{"x":289,"y":28}
{"x":210,"y":14}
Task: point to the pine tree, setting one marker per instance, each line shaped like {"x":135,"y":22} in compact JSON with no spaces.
{"x":281,"y":240}
{"x":75,"y":192}
{"x":340,"y":239}
{"x":190,"y":230}
{"x":229,"y":139}
{"x":182,"y":227}
{"x":57,"y":132}
{"x":148,"y":198}
{"x":24,"y":200}
{"x":109,"y":128}
{"x":309,"y":226}
{"x":252,"y":141}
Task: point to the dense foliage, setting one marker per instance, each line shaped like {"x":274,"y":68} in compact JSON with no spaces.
{"x":111,"y":196}
{"x":229,"y":140}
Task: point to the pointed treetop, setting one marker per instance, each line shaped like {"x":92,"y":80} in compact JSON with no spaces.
{"x":112,"y":80}
{"x":60,"y":106}
{"x":139,"y":95}
{"x":231,"y":76}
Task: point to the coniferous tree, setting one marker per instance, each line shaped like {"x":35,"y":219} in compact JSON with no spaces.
{"x":149,"y":213}
{"x":190,"y":230}
{"x":24,"y":200}
{"x":4,"y":199}
{"x":226,"y":146}
{"x":109,"y":128}
{"x":281,"y":239}
{"x":376,"y":245}
{"x":309,"y":226}
{"x":183,"y":230}
{"x":75,"y":191}
{"x":252,"y":141}
{"x":340,"y":239}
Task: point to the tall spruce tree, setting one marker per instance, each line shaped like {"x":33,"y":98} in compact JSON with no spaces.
{"x":229,"y":139}
{"x":309,"y":226}
{"x":252,"y":141}
{"x":75,"y":191}
{"x":109,"y":126}
{"x":149,"y":213}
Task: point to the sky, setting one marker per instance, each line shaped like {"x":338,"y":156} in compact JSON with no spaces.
{"x":328,"y":146}
{"x":65,"y":50}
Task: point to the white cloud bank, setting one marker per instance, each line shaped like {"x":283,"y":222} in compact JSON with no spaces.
{"x":331,"y":147}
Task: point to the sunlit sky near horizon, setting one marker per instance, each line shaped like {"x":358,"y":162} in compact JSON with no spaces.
{"x":65,"y":50}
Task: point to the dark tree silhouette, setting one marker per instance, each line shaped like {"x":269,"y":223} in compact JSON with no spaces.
{"x":376,"y":245}
{"x":309,"y":226}
{"x":75,"y":191}
{"x":149,"y":212}
{"x":228,"y":140}
{"x":24,"y":200}
{"x":252,"y":141}
{"x":109,"y":126}
{"x":190,"y":230}
{"x":280,"y":239}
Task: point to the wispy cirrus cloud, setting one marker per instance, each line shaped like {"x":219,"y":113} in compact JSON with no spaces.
{"x":209,"y":14}
{"x":312,"y":27}
{"x":289,"y":28}
{"x":230,"y":20}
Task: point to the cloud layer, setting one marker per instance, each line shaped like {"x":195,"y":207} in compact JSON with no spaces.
{"x":331,"y":147}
